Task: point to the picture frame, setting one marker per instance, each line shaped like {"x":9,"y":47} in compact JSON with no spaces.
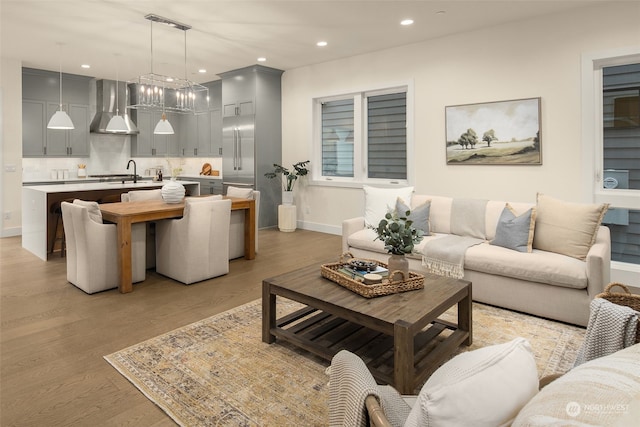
{"x":494,"y":133}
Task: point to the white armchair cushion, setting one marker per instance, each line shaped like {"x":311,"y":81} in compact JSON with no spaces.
{"x":196,"y":246}
{"x":484,"y":387}
{"x":236,"y":228}
{"x":92,"y":209}
{"x":137,"y":195}
{"x":245,"y":193}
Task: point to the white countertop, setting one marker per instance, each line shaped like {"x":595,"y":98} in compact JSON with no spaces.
{"x":88,"y":186}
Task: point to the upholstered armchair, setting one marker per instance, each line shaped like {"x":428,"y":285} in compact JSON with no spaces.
{"x":149,"y":228}
{"x":92,"y":263}
{"x":236,"y":227}
{"x":196,"y":246}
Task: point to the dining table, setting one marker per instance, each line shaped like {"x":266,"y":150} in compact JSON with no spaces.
{"x":124,"y":214}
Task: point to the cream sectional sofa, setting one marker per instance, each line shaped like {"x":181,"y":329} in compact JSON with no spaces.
{"x":541,"y":283}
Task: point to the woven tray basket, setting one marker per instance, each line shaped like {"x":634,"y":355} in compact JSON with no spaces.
{"x":387,"y":287}
{"x":625,"y":298}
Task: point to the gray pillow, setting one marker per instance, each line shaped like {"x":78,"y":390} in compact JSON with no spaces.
{"x":515,"y":232}
{"x":419,"y":215}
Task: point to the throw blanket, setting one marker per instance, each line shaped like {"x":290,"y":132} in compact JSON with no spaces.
{"x":611,"y":327}
{"x":349,"y":385}
{"x":445,"y":256}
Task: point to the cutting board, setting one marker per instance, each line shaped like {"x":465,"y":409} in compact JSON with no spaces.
{"x":206,"y":169}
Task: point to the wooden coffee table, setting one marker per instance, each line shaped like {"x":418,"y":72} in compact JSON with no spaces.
{"x":399,"y":336}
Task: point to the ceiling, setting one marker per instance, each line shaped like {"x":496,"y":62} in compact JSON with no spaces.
{"x":115,"y":39}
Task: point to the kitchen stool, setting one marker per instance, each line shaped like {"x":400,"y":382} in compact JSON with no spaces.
{"x":57,"y":211}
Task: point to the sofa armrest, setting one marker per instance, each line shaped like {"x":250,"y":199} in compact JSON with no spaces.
{"x":599,"y":262}
{"x":350,"y":226}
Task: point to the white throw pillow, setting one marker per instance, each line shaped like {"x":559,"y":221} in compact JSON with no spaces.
{"x":484,"y":387}
{"x":92,"y":207}
{"x":379,"y":201}
{"x":245,"y":193}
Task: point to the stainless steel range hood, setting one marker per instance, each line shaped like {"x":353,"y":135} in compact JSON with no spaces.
{"x":106,"y":107}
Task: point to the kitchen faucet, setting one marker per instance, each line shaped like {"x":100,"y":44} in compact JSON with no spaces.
{"x":135,"y":171}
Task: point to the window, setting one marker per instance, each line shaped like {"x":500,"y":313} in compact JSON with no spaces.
{"x":363,"y":138}
{"x":611,"y":126}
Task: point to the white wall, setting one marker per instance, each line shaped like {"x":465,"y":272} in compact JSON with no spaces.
{"x":533,"y":58}
{"x":11,"y":139}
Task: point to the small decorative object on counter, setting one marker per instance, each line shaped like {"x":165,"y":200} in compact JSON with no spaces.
{"x":206,"y":169}
{"x":82,"y":170}
{"x":173,"y":191}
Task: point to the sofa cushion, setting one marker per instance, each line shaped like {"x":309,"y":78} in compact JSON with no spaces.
{"x":537,"y":266}
{"x":484,"y":387}
{"x":515,"y":231}
{"x":567,"y":228}
{"x":419,"y":214}
{"x":379,"y":201}
{"x":601,"y":392}
{"x":92,"y":208}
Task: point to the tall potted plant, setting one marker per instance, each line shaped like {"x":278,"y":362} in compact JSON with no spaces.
{"x":289,"y":178}
{"x":399,"y":236}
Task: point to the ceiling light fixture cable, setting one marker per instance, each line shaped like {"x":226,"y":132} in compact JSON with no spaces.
{"x":117,"y":123}
{"x":60,"y":119}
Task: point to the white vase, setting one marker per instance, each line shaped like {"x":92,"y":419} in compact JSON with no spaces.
{"x":173,"y":192}
{"x":287,"y":197}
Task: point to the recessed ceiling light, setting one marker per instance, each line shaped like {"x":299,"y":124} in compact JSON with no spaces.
{"x":86,"y":66}
{"x":441,"y":12}
{"x":262,"y":59}
{"x":406,"y":22}
{"x":202,"y":71}
{"x":321,"y":44}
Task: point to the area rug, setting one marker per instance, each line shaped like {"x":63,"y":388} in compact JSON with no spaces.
{"x":218,"y":372}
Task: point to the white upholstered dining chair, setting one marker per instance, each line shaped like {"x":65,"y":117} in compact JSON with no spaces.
{"x":92,"y":263}
{"x":149,"y":228}
{"x":196,"y":246}
{"x":236,"y":227}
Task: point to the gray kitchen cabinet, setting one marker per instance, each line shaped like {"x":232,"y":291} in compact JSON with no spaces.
{"x":252,"y":133}
{"x":40,"y":100}
{"x":33,"y":128}
{"x":215,"y":121}
{"x":72,"y":142}
{"x":148,"y":144}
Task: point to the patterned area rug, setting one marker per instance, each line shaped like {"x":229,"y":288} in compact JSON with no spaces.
{"x":218,"y":372}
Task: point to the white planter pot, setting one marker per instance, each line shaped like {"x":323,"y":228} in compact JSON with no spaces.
{"x":173,"y":192}
{"x":287,"y":197}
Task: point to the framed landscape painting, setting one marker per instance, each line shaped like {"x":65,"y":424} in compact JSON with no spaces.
{"x":494,"y":133}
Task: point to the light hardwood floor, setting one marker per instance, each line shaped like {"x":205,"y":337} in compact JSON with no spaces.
{"x":53,"y":336}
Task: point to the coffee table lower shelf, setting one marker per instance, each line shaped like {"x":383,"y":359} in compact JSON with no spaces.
{"x":325,"y":334}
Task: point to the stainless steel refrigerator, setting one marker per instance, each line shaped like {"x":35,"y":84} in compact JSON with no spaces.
{"x":238,"y":151}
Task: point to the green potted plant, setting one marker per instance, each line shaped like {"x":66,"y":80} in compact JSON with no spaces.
{"x":399,"y":237}
{"x":289,"y":178}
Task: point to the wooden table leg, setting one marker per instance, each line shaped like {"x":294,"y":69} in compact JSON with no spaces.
{"x":465,"y":316}
{"x":124,"y":255}
{"x":250,"y":231}
{"x":268,"y":313}
{"x":403,"y":369}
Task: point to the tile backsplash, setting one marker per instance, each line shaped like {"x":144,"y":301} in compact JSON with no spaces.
{"x":109,"y":154}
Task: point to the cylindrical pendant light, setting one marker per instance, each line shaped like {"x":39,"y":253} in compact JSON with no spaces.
{"x":60,"y":120}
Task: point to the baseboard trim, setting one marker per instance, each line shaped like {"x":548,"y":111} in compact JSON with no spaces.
{"x":322,"y":228}
{"x":11,"y":232}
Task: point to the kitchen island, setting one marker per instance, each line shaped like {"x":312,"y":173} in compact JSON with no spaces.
{"x":39,"y":202}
